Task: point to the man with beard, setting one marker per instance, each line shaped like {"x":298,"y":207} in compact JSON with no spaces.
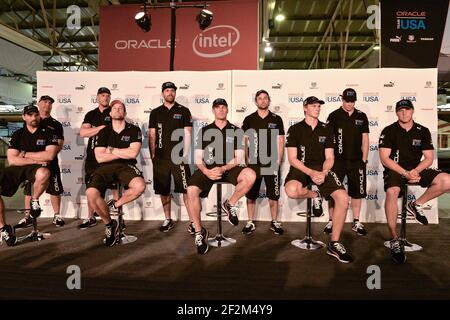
{"x":169,"y":118}
{"x":116,"y":149}
{"x":264,"y":131}
{"x":55,"y":187}
{"x":30,"y":151}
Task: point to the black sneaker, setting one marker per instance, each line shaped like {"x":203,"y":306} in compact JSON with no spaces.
{"x":58,"y":221}
{"x":24,"y":223}
{"x":417,"y":211}
{"x":328,"y":228}
{"x":9,"y":235}
{"x":397,"y":251}
{"x":191,"y":228}
{"x":201,"y":241}
{"x":249,"y":227}
{"x":87,"y":223}
{"x":358,"y":227}
{"x":337,"y":250}
{"x":111,"y":206}
{"x":35,"y":208}
{"x":275,"y":226}
{"x":232,"y":212}
{"x":112,"y":234}
{"x":317,"y":210}
{"x":166,"y":226}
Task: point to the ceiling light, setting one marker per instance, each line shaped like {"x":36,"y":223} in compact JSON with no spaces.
{"x":280,"y":17}
{"x":204,"y":19}
{"x":143,"y":20}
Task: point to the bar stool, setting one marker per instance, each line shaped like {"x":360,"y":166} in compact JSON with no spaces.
{"x":408,"y":246}
{"x":219,"y":240}
{"x":123,"y":238}
{"x":308,"y":243}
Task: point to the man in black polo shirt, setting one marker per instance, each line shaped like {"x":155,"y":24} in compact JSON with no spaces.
{"x":219,"y":151}
{"x":55,"y":186}
{"x":351,"y":149}
{"x":264,"y":131}
{"x":402,"y":146}
{"x":30,"y":151}
{"x":168,"y":119}
{"x":116,"y":149}
{"x":310,"y":148}
{"x":94,"y":121}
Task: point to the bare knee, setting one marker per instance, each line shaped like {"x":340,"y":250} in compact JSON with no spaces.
{"x":42,"y":174}
{"x":248,"y":176}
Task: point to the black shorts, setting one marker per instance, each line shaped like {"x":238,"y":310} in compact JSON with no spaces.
{"x":205,"y":184}
{"x":105,"y":175}
{"x":330,"y":185}
{"x":12,"y":177}
{"x":163,"y":170}
{"x":55,"y":186}
{"x":89,"y":169}
{"x":356,"y":177}
{"x":393,"y":179}
{"x":272,"y":183}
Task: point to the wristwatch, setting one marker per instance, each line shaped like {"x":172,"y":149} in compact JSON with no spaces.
{"x":405,"y":173}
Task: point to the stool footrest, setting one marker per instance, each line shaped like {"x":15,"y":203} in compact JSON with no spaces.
{"x":220,"y":241}
{"x":33,"y":236}
{"x":215,"y":214}
{"x":308,"y":243}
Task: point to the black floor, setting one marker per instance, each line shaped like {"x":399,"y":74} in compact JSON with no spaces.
{"x":259,"y":266}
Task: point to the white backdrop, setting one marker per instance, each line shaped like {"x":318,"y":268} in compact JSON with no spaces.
{"x":377,"y":89}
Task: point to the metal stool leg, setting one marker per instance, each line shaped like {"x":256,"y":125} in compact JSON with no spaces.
{"x":219,"y":240}
{"x":124,"y":239}
{"x":408,"y":246}
{"x":308,"y":243}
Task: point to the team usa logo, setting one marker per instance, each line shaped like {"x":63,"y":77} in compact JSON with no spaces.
{"x":132,"y":99}
{"x":64,"y":99}
{"x":371,"y":97}
{"x":332,"y":97}
{"x":201,"y":99}
{"x":295,"y":98}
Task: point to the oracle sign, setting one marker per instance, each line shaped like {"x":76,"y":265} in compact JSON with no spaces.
{"x":231,"y":42}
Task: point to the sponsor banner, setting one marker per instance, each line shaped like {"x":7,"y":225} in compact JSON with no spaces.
{"x":231,"y":42}
{"x":411,"y":32}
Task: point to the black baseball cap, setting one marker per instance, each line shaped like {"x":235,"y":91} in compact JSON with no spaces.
{"x":349,"y":95}
{"x":103,"y":90}
{"x":403,"y":104}
{"x":47,"y":98}
{"x":261,"y":92}
{"x":220,"y":101}
{"x":311,"y":100}
{"x":168,"y":84}
{"x":30,"y":109}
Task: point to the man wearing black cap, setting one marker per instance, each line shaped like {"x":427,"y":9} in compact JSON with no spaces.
{"x":94,"y":121}
{"x":219,"y":152}
{"x":351,"y":132}
{"x":116,"y":149}
{"x":264,"y":131}
{"x":310,"y":148}
{"x":402,"y":146}
{"x":30,"y":151}
{"x":55,"y":187}
{"x":165,"y":120}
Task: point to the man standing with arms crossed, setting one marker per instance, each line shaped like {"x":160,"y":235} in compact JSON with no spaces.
{"x":264,"y":131}
{"x":163,"y":121}
{"x":351,"y":150}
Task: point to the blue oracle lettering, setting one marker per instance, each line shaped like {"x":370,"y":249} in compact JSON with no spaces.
{"x":272,"y":125}
{"x":64,"y":100}
{"x":371,"y":99}
{"x":201,"y":100}
{"x":296,"y":99}
{"x":417,"y":142}
{"x":125,"y":138}
{"x":40,"y":142}
{"x":359,"y":122}
{"x":334,"y":99}
{"x":132,"y":100}
{"x":411,"y":24}
{"x":322,"y":139}
{"x":178,"y":116}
